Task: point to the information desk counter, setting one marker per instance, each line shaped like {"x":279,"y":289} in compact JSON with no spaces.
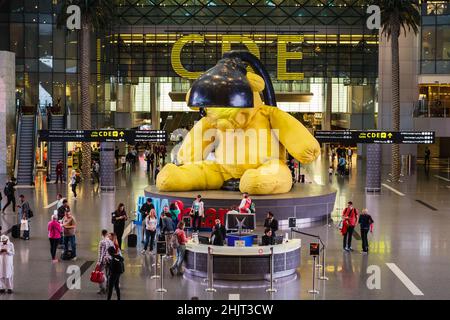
{"x":243,"y":263}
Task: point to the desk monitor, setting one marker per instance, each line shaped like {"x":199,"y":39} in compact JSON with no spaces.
{"x":203,"y":240}
{"x":240,"y":221}
{"x":278,"y":240}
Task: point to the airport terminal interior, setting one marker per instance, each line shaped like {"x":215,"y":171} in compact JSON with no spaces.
{"x":285,"y":107}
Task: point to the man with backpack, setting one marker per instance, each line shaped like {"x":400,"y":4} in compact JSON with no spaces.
{"x":178,"y":241}
{"x":349,"y":221}
{"x":116,"y":268}
{"x":9,"y":192}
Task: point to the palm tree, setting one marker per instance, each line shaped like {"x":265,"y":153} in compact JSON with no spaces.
{"x":95,"y":15}
{"x":397,"y":15}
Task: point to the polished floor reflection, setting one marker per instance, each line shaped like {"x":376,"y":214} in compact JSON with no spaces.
{"x":409,"y":248}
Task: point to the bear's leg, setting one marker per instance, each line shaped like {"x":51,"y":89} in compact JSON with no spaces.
{"x":204,"y":175}
{"x":272,"y":177}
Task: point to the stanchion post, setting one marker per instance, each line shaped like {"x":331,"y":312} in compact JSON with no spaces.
{"x":271,"y":267}
{"x":210,"y":272}
{"x":314,"y":291}
{"x":161,"y":277}
{"x":318,"y":265}
{"x":323,"y":277}
{"x":156,"y":276}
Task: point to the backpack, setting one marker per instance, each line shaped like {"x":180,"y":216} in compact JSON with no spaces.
{"x":77,"y":179}
{"x":253,"y":207}
{"x":7,"y":191}
{"x":174,"y":243}
{"x":117,"y":265}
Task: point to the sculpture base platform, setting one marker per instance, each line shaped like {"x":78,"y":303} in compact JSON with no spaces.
{"x":308,"y":203}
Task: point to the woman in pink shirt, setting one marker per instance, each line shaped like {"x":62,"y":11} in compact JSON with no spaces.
{"x":54,"y":235}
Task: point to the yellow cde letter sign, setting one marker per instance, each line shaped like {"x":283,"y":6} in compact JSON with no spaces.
{"x":282,"y":57}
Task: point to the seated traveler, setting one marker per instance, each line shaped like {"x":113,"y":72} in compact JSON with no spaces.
{"x":268,"y":239}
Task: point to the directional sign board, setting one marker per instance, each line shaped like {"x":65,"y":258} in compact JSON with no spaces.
{"x":375,"y":136}
{"x":109,"y":135}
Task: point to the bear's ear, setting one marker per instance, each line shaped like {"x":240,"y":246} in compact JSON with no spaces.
{"x":256,"y":82}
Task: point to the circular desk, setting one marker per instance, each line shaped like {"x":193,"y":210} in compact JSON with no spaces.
{"x":243,"y":263}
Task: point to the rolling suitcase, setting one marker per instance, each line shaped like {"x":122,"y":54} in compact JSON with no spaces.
{"x":15,"y":231}
{"x":132,"y":240}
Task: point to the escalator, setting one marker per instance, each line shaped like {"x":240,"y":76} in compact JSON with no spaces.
{"x":25,"y":147}
{"x":56,"y":150}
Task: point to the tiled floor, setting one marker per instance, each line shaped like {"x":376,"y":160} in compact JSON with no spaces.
{"x":407,"y":234}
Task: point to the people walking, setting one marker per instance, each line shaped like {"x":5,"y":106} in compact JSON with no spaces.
{"x":174,"y":212}
{"x":113,"y":238}
{"x":366,"y":225}
{"x":104,"y":258}
{"x":427,"y":158}
{"x":349,"y":221}
{"x":59,"y":201}
{"x":95,"y":172}
{"x":197,"y":212}
{"x":116,"y":268}
{"x":341,"y":165}
{"x":145,"y":211}
{"x":118,"y":219}
{"x":150,"y":224}
{"x":63,"y":209}
{"x":167,"y":229}
{"x":73,"y":183}
{"x":59,"y":171}
{"x":9,"y":192}
{"x":54,"y":235}
{"x":24,"y":216}
{"x":70,"y":225}
{"x":179,"y":243}
{"x":6,"y":265}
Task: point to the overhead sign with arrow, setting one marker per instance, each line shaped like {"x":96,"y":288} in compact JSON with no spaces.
{"x":375,"y":136}
{"x":108,"y":135}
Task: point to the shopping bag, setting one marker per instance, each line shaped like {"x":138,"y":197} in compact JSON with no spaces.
{"x":23,"y":225}
{"x":97,"y":276}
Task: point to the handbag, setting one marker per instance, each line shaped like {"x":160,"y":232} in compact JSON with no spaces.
{"x":340,"y":224}
{"x":24,"y":225}
{"x":97,"y":276}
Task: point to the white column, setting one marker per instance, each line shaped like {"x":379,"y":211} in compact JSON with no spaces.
{"x":7,"y":102}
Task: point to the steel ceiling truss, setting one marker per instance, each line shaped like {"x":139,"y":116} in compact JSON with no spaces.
{"x":242,"y":12}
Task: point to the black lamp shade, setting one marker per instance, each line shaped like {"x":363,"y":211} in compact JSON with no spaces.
{"x":223,"y":86}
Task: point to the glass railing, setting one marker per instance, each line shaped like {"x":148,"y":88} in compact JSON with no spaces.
{"x":432,"y":109}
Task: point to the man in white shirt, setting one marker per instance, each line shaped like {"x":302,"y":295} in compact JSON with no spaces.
{"x":59,"y":199}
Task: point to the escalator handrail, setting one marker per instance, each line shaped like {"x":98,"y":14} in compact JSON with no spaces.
{"x":35,"y":143}
{"x":18,"y":128}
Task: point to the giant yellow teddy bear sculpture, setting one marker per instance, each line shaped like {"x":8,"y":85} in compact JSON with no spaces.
{"x":247,"y":143}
